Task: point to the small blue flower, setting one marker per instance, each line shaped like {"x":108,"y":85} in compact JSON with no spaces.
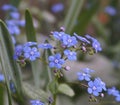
{"x":36,"y":102}
{"x":85,"y":75}
{"x":58,"y":7}
{"x":58,"y":35}
{"x":69,"y":41}
{"x":82,"y":39}
{"x":45,"y":46}
{"x":101,"y":83}
{"x":15,"y":15}
{"x":113,"y":91}
{"x":7,"y":7}
{"x":71,"y":55}
{"x":110,"y":10}
{"x":94,"y":88}
{"x":95,"y":44}
{"x":2,"y":78}
{"x":55,"y":61}
{"x":31,"y":53}
{"x":88,"y":70}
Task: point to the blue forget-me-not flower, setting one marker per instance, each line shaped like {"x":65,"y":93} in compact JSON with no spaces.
{"x":71,"y":55}
{"x":95,"y":87}
{"x":56,"y":61}
{"x":58,"y":7}
{"x":31,"y":53}
{"x":85,"y":75}
{"x":110,"y":10}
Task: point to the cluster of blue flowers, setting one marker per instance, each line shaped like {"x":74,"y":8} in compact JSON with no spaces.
{"x":27,"y":51}
{"x":66,"y":49}
{"x":94,"y":87}
{"x":13,"y":22}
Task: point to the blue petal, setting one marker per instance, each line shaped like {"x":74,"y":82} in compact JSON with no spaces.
{"x":90,"y":90}
{"x":51,"y":64}
{"x":95,"y":93}
{"x":51,"y":58}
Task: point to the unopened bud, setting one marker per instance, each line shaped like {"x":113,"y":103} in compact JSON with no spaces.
{"x":67,"y":68}
{"x":102,"y":95}
{"x":62,"y":29}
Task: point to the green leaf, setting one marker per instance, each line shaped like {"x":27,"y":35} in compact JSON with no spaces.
{"x":66,"y":89}
{"x":31,"y":36}
{"x":34,"y":93}
{"x":30,"y":31}
{"x":9,"y":65}
{"x":53,"y":86}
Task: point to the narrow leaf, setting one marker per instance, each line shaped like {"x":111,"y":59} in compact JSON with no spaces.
{"x":66,"y":89}
{"x":9,"y":65}
{"x":30,"y":31}
{"x":31,"y":36}
{"x":34,"y":93}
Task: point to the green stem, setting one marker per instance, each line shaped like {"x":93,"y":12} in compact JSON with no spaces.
{"x":54,"y":99}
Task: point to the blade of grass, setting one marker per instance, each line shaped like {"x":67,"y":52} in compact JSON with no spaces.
{"x":10,"y":67}
{"x":72,"y":15}
{"x":31,"y":36}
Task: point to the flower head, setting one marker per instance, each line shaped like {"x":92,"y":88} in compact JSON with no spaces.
{"x":69,"y":41}
{"x":101,"y":83}
{"x":110,"y":10}
{"x":113,"y":91}
{"x":55,"y":61}
{"x":71,"y":55}
{"x":31,"y":53}
{"x":95,"y":87}
{"x":58,"y":7}
{"x":7,"y":7}
{"x":85,"y":75}
{"x":58,"y":35}
{"x":36,"y":102}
